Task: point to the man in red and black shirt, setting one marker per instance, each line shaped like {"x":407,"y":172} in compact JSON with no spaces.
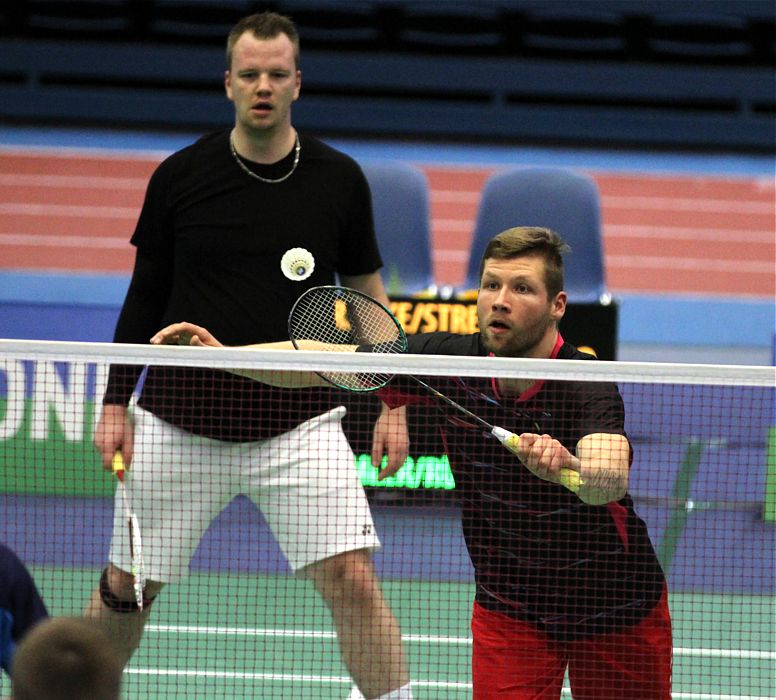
{"x":563,"y":580}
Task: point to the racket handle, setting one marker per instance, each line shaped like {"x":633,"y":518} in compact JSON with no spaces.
{"x":566,"y":477}
{"x":118,"y":466}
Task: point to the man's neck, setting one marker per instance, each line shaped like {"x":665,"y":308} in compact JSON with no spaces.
{"x":514,"y":387}
{"x":544,"y":350}
{"x":264,"y":147}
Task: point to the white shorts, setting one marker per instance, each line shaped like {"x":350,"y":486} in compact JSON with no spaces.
{"x":304,"y":481}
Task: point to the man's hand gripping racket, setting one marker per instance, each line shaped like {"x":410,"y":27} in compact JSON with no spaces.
{"x":340,"y":318}
{"x":566,"y":477}
{"x":135,"y":543}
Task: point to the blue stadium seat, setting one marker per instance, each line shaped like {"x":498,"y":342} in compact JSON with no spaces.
{"x":566,"y":201}
{"x":400,"y":199}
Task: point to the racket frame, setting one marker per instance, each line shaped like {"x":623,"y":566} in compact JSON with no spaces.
{"x":331,"y":291}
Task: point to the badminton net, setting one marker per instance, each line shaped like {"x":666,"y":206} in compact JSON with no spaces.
{"x":241,"y":624}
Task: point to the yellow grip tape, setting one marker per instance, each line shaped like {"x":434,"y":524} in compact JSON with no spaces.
{"x":118,"y":463}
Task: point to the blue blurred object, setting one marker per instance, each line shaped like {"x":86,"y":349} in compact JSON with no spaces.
{"x":400,"y":201}
{"x":561,"y":199}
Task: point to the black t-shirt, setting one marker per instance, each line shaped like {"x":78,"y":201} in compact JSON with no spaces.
{"x":209,"y":243}
{"x":539,"y":553}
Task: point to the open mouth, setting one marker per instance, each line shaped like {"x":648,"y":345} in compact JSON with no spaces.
{"x":497,"y":325}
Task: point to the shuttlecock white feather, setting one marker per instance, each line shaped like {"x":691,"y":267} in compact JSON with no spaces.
{"x":297,"y":264}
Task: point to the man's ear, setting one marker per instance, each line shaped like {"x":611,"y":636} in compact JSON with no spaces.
{"x":228,"y":84}
{"x":558,"y":307}
{"x":298,"y":88}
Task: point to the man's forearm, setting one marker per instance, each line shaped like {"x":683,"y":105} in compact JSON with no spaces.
{"x":282,"y":378}
{"x":605,"y":464}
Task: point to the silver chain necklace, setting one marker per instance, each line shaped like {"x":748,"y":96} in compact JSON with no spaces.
{"x":238,"y":160}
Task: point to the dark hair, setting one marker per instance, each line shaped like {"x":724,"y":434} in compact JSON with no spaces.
{"x":263,"y":25}
{"x":531,"y":240}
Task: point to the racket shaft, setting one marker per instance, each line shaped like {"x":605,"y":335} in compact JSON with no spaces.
{"x":125,"y":502}
{"x":455,"y":405}
{"x":567,"y":477}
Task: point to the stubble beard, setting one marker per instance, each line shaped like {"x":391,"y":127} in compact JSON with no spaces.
{"x":520,"y":342}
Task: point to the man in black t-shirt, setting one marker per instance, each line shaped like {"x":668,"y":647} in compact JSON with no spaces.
{"x":232,"y":230}
{"x":565,"y":580}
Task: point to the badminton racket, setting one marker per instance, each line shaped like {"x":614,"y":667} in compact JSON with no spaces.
{"x":137,"y":568}
{"x":340,"y":319}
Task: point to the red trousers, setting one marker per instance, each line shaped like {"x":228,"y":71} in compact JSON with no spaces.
{"x":512,"y":660}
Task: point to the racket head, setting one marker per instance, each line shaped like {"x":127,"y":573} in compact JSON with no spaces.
{"x":341,"y":319}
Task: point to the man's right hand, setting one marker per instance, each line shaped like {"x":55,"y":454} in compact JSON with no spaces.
{"x":114,"y":432}
{"x":185,"y":333}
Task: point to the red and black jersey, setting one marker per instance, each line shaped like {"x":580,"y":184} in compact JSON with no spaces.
{"x":539,"y":553}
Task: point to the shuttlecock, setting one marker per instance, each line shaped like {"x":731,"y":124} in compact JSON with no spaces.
{"x":297,"y":264}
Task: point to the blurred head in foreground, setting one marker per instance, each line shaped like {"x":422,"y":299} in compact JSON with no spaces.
{"x":63,"y":658}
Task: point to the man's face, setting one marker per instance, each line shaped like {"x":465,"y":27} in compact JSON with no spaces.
{"x":263,"y":82}
{"x":516,"y":316}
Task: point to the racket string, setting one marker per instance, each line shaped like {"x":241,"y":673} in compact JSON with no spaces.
{"x":338,"y":319}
